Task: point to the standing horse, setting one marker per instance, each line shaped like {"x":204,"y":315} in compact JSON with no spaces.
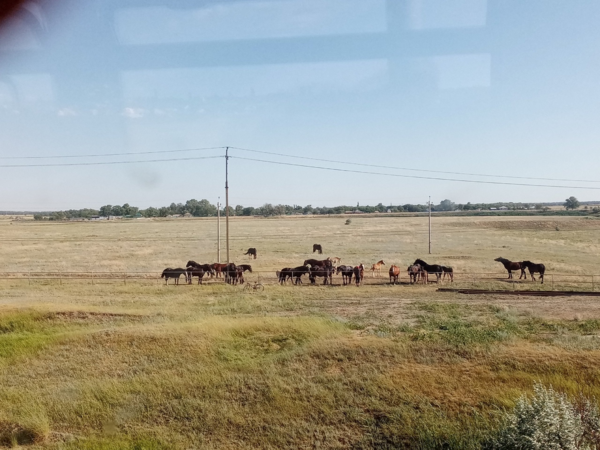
{"x":448,"y":271}
{"x":297,"y":273}
{"x":318,"y":263}
{"x":173,"y":273}
{"x":231,"y":273}
{"x":377,"y":268}
{"x":335,"y":260}
{"x":317,"y":248}
{"x":346,"y":272}
{"x":218,"y":269}
{"x":251,"y":252}
{"x":394,"y":274}
{"x":414,"y":273}
{"x":207,"y":268}
{"x":430,"y":268}
{"x":512,"y":265}
{"x":195,"y":272}
{"x":359,"y":273}
{"x":325,"y":272}
{"x":533,"y":268}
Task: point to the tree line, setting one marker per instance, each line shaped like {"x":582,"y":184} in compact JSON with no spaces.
{"x":204,"y":208}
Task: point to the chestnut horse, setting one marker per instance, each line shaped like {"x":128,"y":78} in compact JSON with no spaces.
{"x":512,"y":265}
{"x":377,"y":268}
{"x":218,"y":268}
{"x":394,"y":274}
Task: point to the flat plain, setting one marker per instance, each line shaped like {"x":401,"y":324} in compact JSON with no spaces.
{"x":123,"y":362}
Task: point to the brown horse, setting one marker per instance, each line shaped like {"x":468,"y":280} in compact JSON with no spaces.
{"x":533,"y":268}
{"x":173,"y":273}
{"x":512,"y":265}
{"x":318,"y":263}
{"x":219,"y":269}
{"x":394,"y":274}
{"x":414,"y":273}
{"x":317,"y":248}
{"x":251,"y":252}
{"x":377,"y":268}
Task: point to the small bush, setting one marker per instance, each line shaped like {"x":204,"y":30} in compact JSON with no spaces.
{"x":348,"y":221}
{"x":549,"y":421}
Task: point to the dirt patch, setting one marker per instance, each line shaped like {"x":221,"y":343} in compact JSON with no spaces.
{"x":89,"y":316}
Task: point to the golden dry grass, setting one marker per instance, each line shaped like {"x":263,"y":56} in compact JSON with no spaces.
{"x":143,"y":365}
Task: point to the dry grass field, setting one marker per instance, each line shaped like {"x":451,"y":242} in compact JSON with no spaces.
{"x":122,"y":364}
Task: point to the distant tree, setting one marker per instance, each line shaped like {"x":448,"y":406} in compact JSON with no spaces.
{"x":239,"y":210}
{"x":117,"y":210}
{"x":106,"y":210}
{"x":571,"y":203}
{"x":249,"y":211}
{"x":150,"y":212}
{"x":164,"y":211}
{"x":38,"y":217}
{"x":267,"y":209}
{"x":446,"y":205}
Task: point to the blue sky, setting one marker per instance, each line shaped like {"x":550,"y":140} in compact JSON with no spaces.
{"x":505,"y":88}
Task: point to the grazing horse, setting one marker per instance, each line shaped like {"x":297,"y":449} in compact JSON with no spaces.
{"x":325,"y":272}
{"x":318,"y":263}
{"x":512,"y":265}
{"x":377,"y":268}
{"x":347,"y":272}
{"x":414,"y":273}
{"x":173,"y":273}
{"x":195,"y":272}
{"x":359,"y":273}
{"x":284,"y":274}
{"x":448,"y":271}
{"x":317,"y":248}
{"x":218,"y":269}
{"x":533,"y":268}
{"x":430,"y":268}
{"x":251,"y":252}
{"x":394,"y":274}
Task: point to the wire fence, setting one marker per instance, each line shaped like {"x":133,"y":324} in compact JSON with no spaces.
{"x":496,"y":280}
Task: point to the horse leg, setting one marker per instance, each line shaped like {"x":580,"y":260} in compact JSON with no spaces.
{"x":531,"y":272}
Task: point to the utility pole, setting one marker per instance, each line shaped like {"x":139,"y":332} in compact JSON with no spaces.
{"x":219,"y":231}
{"x":430,"y":224}
{"x":227,"y":200}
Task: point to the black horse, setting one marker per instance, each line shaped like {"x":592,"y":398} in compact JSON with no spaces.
{"x":317,"y":248}
{"x":347,"y":272}
{"x":512,"y":265}
{"x":325,"y":272}
{"x":534,"y":268}
{"x":448,"y":271}
{"x":207,"y":268}
{"x":359,"y":273}
{"x":295,"y":272}
{"x":195,"y":272}
{"x":251,"y":252}
{"x":245,"y":267}
{"x":231,"y":273}
{"x":431,"y":268}
{"x":173,"y":273}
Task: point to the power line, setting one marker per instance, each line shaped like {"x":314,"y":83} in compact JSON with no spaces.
{"x":411,"y":169}
{"x":108,"y":163}
{"x":414,"y":176}
{"x":100,"y":155}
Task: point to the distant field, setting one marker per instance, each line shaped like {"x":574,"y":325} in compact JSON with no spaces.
{"x":147,"y":366}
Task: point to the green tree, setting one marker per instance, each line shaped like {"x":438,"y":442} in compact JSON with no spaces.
{"x":239,"y":210}
{"x":150,"y":212}
{"x":106,"y":210}
{"x":571,"y":203}
{"x":446,"y":205}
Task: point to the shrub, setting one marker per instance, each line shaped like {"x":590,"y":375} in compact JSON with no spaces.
{"x":549,"y":421}
{"x":348,"y":221}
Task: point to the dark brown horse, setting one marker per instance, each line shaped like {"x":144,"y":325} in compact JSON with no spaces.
{"x":195,"y":272}
{"x":415,"y":272}
{"x":394,"y":274}
{"x":295,"y":272}
{"x":431,"y":268}
{"x":512,"y":265}
{"x":534,"y":268}
{"x":317,"y":248}
{"x":347,"y":272}
{"x":318,"y":263}
{"x":245,"y":267}
{"x":251,"y":252}
{"x":359,"y":273}
{"x":325,"y":272}
{"x":231,"y":273}
{"x":448,"y":271}
{"x":173,"y":273}
{"x":207,"y":268}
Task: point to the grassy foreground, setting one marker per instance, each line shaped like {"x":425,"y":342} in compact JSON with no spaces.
{"x":144,"y":366}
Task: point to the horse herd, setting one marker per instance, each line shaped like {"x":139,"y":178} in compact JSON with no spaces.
{"x":314,"y":268}
{"x":419,"y":271}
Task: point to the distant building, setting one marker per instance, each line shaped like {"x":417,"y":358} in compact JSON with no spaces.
{"x":503,"y":208}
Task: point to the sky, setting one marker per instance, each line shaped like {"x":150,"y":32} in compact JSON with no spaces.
{"x":427,"y":91}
